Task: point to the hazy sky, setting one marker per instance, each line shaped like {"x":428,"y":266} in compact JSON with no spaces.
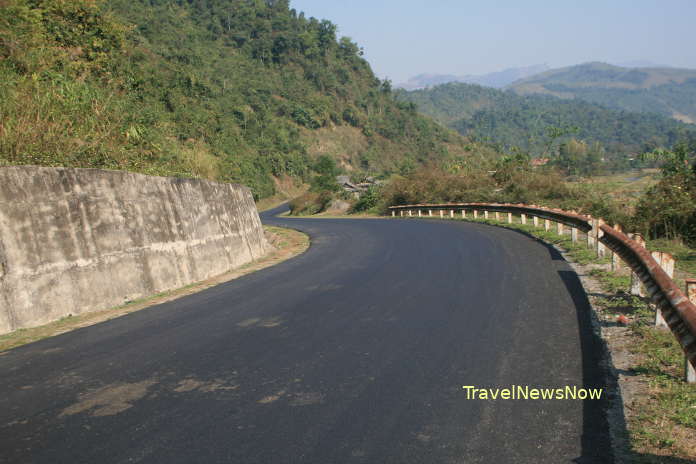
{"x":408,"y":37}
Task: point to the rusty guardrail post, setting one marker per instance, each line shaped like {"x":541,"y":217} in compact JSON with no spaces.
{"x":636,"y":284}
{"x":689,"y":371}
{"x":666,"y":262}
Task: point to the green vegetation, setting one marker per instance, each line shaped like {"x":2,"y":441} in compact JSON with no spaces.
{"x":668,"y":209}
{"x":599,"y":138}
{"x":233,"y":90}
{"x":670,"y":92}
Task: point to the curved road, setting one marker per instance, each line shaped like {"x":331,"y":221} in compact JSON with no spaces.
{"x":354,"y":352}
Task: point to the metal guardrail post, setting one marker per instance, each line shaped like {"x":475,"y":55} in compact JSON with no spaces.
{"x":666,"y":262}
{"x":689,"y":371}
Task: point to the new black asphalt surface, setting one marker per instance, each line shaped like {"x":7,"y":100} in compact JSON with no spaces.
{"x":354,"y":352}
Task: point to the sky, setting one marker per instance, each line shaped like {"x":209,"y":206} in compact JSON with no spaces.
{"x":409,"y":37}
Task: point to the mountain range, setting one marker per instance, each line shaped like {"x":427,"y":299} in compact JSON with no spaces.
{"x":636,"y":86}
{"x":497,"y":79}
{"x":667,"y":91}
{"x":509,"y":120}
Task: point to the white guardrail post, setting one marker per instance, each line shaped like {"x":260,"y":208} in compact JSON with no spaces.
{"x":689,"y":371}
{"x":666,"y":262}
{"x":636,"y":285}
{"x":615,"y":259}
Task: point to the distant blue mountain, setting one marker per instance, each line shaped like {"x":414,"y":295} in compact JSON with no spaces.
{"x":497,"y":79}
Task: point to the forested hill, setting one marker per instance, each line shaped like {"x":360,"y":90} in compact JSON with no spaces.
{"x":234,"y":90}
{"x":667,"y":91}
{"x":512,"y":120}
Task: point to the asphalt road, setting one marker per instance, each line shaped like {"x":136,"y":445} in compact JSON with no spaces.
{"x":354,"y":352}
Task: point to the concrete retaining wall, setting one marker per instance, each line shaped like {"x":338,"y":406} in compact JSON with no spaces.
{"x":77,"y":240}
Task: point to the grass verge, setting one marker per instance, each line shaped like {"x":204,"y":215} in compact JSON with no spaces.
{"x":287,"y":244}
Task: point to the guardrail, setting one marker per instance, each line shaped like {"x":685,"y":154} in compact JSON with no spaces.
{"x":673,"y":308}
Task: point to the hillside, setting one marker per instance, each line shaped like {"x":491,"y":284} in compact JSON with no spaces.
{"x":667,"y":91}
{"x":232,"y":90}
{"x":523,"y":121}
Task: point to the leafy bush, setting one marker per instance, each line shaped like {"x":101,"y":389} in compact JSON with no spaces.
{"x":367,"y":201}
